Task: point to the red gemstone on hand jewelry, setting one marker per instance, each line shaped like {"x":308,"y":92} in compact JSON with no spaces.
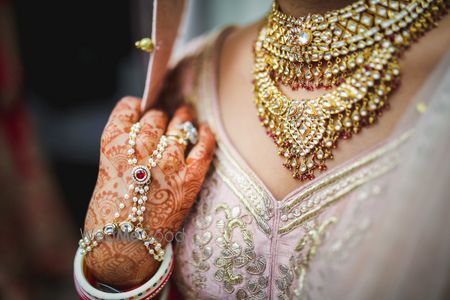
{"x":141,"y":174}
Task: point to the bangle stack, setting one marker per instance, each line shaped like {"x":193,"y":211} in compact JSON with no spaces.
{"x":147,"y":290}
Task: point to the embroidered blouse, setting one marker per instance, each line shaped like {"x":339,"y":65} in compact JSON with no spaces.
{"x":240,"y":242}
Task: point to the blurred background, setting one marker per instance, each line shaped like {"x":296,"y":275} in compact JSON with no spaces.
{"x":63,"y":66}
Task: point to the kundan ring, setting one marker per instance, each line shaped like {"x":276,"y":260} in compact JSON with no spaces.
{"x":187,"y":134}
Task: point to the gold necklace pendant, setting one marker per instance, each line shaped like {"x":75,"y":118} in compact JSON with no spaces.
{"x":363,"y":70}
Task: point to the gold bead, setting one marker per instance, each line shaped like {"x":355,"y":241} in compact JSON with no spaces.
{"x":145,"y":44}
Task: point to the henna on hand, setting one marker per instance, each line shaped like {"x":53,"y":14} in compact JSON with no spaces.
{"x":176,"y":182}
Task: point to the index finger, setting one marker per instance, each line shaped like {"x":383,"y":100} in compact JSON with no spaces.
{"x":125,"y":113}
{"x":200,"y":156}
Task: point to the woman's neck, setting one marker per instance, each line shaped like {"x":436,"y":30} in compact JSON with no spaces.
{"x":298,"y":8}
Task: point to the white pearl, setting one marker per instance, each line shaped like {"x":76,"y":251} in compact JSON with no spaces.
{"x":146,"y":188}
{"x":140,"y":201}
{"x":155,"y":152}
{"x":136,"y":189}
{"x":116,"y":215}
{"x":126,"y":197}
{"x":138,"y":212}
{"x":144,"y":198}
{"x":135,"y":199}
{"x":159,"y":156}
{"x":142,"y":208}
{"x":150,"y":160}
{"x":130,"y":151}
{"x":121,"y":205}
{"x":153,"y":164}
{"x":130,"y":216}
{"x":131,"y":187}
{"x":141,"y":219}
{"x":133,"y":220}
{"x":130,"y":161}
{"x":131,"y":142}
{"x":133,"y":209}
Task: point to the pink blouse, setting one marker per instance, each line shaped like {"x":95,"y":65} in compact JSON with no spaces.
{"x":240,"y":242}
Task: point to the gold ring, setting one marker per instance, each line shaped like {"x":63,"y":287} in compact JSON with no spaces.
{"x":187,"y":134}
{"x":177,"y":138}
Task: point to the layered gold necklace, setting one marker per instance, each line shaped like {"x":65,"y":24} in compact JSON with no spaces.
{"x":353,"y":51}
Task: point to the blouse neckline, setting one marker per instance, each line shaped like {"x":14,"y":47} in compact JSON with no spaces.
{"x":210,"y":82}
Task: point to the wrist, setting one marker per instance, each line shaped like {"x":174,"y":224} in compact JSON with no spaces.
{"x":120,"y":264}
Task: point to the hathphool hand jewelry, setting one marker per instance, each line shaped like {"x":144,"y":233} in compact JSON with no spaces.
{"x":356,"y":50}
{"x":137,"y":196}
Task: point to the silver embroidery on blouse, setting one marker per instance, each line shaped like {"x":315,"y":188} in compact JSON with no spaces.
{"x":255,"y":199}
{"x":202,"y":250}
{"x":295,"y":271}
{"x":235,"y":256}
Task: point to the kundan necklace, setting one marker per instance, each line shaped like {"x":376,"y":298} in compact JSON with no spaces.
{"x":354,"y":50}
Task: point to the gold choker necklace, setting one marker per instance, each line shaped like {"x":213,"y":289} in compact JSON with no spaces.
{"x":355,"y":49}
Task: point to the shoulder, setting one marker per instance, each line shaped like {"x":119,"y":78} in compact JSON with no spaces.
{"x":186,"y":67}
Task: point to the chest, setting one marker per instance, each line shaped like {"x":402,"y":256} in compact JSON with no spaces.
{"x":239,"y":118}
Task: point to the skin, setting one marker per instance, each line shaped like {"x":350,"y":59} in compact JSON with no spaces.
{"x":298,"y":8}
{"x":177,"y":181}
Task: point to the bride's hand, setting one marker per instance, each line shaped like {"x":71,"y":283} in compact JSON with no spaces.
{"x":175,"y":183}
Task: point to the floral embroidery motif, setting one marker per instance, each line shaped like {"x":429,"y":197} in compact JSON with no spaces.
{"x":300,"y":261}
{"x":255,"y":199}
{"x":202,"y":249}
{"x":234,"y":256}
{"x":255,"y":289}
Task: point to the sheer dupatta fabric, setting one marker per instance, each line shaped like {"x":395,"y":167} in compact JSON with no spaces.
{"x":404,"y":252}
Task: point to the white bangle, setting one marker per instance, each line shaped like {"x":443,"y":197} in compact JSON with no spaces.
{"x":146,"y":291}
